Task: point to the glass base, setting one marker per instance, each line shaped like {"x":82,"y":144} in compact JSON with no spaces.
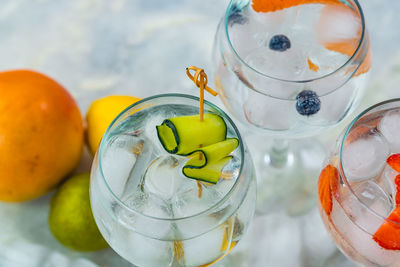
{"x":287,"y":174}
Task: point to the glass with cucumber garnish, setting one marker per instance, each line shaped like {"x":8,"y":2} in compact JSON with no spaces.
{"x":169,"y":189}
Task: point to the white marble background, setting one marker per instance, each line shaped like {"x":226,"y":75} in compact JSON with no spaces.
{"x":98,"y":47}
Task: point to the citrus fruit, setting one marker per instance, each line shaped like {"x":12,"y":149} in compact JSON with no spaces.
{"x":71,"y":220}
{"x":41,"y":134}
{"x":100,"y":115}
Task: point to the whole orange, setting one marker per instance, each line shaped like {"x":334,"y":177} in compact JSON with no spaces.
{"x":41,"y":134}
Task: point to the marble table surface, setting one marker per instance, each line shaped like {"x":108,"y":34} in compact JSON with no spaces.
{"x":98,"y":47}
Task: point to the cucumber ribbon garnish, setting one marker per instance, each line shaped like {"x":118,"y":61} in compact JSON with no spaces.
{"x":202,"y":139}
{"x":204,"y":142}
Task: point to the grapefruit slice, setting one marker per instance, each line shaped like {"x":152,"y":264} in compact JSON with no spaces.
{"x":339,"y":29}
{"x":275,"y":5}
{"x":346,"y":45}
{"x":328,"y":186}
{"x":394,"y":162}
{"x":388,"y":235}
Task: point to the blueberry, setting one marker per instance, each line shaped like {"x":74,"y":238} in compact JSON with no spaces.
{"x":279,"y":43}
{"x":235,"y":16}
{"x":307,"y":103}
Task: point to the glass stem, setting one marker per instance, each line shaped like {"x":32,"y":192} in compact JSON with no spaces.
{"x":279,"y":153}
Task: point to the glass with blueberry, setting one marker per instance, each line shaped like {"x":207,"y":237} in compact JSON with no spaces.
{"x":290,"y":70}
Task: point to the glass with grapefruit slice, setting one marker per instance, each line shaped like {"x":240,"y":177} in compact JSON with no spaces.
{"x":289,"y":70}
{"x":359,"y":188}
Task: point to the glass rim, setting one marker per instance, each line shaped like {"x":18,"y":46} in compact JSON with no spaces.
{"x":341,"y":169}
{"x":209,"y":209}
{"x":348,"y":61}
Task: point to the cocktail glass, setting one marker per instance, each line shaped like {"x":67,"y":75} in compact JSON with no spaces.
{"x":359,"y":188}
{"x":288,"y":70}
{"x":151,"y":214}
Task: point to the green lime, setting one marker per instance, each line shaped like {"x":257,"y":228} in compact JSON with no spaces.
{"x":71,"y":220}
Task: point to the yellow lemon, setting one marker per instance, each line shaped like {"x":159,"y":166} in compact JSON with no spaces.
{"x":100,"y":115}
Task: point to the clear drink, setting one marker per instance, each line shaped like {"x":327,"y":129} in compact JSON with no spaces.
{"x":359,"y":188}
{"x":290,"y":69}
{"x":268,"y":52}
{"x":148,"y":211}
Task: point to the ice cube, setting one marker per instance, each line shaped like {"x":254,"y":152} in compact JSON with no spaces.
{"x":150,"y":130}
{"x":142,"y":250}
{"x":334,"y":106}
{"x":390,"y":129}
{"x":144,"y":152}
{"x":207,"y":247}
{"x":148,"y":204}
{"x":367,"y":206}
{"x":188,"y":200}
{"x":269,"y":113}
{"x":337,"y":34}
{"x":164,"y":176}
{"x":245,"y":37}
{"x":224,"y":186}
{"x":364,"y":213}
{"x":338,"y":24}
{"x":373,"y":196}
{"x":119,"y":159}
{"x":364,"y":157}
{"x":229,"y":174}
{"x":356,"y":226}
{"x":143,"y":208}
{"x":288,"y":65}
{"x":386,"y":181}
